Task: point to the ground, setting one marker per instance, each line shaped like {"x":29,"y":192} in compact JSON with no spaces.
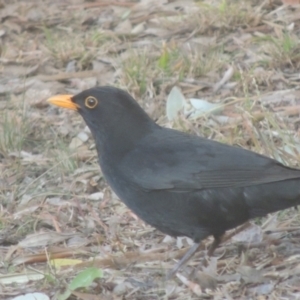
{"x":58,"y":216}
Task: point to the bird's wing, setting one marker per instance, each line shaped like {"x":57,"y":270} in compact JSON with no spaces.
{"x":181,"y":162}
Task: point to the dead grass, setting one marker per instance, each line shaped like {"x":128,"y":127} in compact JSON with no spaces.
{"x":54,"y":202}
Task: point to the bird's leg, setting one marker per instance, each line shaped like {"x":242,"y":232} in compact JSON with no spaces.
{"x":223,"y":238}
{"x":187,"y":256}
{"x":217,"y":240}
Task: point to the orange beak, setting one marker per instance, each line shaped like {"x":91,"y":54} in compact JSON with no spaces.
{"x":64,"y":101}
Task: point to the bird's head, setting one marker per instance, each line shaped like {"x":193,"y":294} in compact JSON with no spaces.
{"x":110,"y":113}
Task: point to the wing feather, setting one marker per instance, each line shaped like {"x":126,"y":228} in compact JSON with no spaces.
{"x":178,"y":161}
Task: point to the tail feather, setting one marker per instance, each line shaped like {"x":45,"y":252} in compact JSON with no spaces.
{"x":272,"y":197}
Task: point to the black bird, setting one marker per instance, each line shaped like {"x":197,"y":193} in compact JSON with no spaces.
{"x":181,"y":184}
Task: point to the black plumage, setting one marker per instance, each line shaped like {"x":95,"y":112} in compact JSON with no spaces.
{"x":181,"y":184}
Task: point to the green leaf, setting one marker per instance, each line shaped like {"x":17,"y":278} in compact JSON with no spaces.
{"x":83,"y":279}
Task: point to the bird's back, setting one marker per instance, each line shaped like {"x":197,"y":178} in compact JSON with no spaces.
{"x":190,"y":186}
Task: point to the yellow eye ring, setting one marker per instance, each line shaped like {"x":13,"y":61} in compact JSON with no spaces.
{"x":91,"y":102}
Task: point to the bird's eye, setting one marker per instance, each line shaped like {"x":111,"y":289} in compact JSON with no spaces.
{"x":91,"y":102}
